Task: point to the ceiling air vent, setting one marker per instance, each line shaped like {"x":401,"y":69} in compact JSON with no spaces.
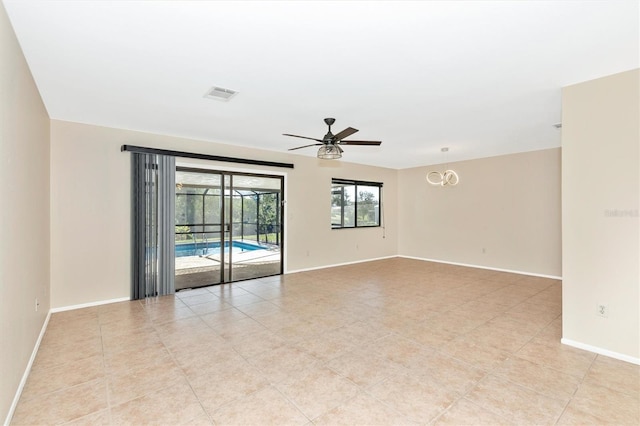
{"x":220,"y":93}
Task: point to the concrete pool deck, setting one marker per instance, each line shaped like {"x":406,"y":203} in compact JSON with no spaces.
{"x":194,"y":271}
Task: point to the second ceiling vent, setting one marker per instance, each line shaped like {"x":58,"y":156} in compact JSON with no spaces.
{"x":220,"y":93}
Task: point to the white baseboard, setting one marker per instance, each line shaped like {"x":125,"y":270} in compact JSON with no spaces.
{"x":27,"y":370}
{"x":531,"y":274}
{"x":600,"y":351}
{"x":90,"y":304}
{"x":338,"y":264}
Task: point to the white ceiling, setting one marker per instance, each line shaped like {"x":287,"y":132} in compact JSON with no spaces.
{"x":483,"y":78}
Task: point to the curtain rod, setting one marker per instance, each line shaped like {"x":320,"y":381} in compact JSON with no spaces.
{"x":182,"y":154}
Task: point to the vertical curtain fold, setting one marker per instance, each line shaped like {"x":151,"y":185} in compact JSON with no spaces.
{"x":166,"y":224}
{"x":153,"y":242}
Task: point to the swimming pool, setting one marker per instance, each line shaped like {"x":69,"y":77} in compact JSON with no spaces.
{"x":191,"y":249}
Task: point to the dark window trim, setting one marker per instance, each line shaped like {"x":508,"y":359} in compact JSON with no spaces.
{"x":355,"y":182}
{"x":183,"y":154}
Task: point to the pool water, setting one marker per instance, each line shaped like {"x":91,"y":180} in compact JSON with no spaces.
{"x":191,"y":249}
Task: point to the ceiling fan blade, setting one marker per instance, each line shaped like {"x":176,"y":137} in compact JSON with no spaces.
{"x":369,"y":143}
{"x":303,"y":137}
{"x":343,"y":134}
{"x":305,"y":146}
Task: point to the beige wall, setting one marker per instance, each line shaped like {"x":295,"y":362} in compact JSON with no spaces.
{"x":504,"y":213}
{"x":600,"y":182}
{"x":90,"y":209}
{"x":24,"y":214}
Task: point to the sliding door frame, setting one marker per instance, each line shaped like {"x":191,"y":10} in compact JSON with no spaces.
{"x":226,"y":175}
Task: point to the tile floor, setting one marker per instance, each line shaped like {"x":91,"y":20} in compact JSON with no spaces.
{"x":396,"y":341}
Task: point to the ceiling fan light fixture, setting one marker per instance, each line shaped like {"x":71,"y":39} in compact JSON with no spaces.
{"x":329,"y":152}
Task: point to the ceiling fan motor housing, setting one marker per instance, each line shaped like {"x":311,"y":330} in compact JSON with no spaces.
{"x":328,"y":138}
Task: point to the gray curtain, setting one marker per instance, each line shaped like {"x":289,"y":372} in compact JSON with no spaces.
{"x":153,"y":225}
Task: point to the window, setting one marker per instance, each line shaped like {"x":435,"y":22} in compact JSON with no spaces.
{"x":355,"y":204}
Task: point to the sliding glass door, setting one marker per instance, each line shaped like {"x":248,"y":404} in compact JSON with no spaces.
{"x":228,"y":227}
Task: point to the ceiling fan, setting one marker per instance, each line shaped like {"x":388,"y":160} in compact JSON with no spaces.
{"x":330,"y":144}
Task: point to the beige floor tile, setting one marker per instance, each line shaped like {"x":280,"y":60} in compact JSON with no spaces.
{"x":510,"y":322}
{"x":243,"y":300}
{"x":398,"y":349}
{"x":57,"y":354}
{"x":362,"y":410}
{"x":45,"y":380}
{"x":285,"y":364}
{"x":267,"y":406}
{"x":160,"y":316}
{"x":206,"y":360}
{"x":538,"y":378}
{"x":318,"y":392}
{"x":239,"y":329}
{"x":364,"y":368}
{"x":539,"y":310}
{"x":574,"y":417}
{"x":114,"y":333}
{"x":566,"y":359}
{"x":194,"y":340}
{"x":414,"y":334}
{"x":616,"y":375}
{"x":102,"y":418}
{"x":419,"y":401}
{"x":226,"y":383}
{"x":203,"y":291}
{"x":482,"y":356}
{"x":198,"y":297}
{"x":179,"y":326}
{"x":427,"y":334}
{"x":62,"y":406}
{"x":140,"y":339}
{"x":215,"y":305}
{"x":514,"y":402}
{"x":257,"y":343}
{"x":452,"y":374}
{"x":74,"y":318}
{"x":455,"y":322}
{"x":228,"y":315}
{"x":330,"y":321}
{"x":137,"y":382}
{"x":360,"y":333}
{"x":124,"y":317}
{"x":551,"y":334}
{"x":509,"y":341}
{"x":152,"y":355}
{"x":67,"y":334}
{"x":296,"y":331}
{"x":174,"y":405}
{"x":607,"y":404}
{"x":228,"y":291}
{"x":465,"y":412}
{"x":261,"y":308}
{"x":325,"y":347}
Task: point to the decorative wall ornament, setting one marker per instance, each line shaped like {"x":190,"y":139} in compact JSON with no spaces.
{"x":448,"y":177}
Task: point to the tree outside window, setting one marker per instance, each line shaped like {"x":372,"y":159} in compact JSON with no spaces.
{"x":355,"y":204}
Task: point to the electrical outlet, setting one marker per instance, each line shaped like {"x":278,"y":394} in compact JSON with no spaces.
{"x":602,"y":310}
